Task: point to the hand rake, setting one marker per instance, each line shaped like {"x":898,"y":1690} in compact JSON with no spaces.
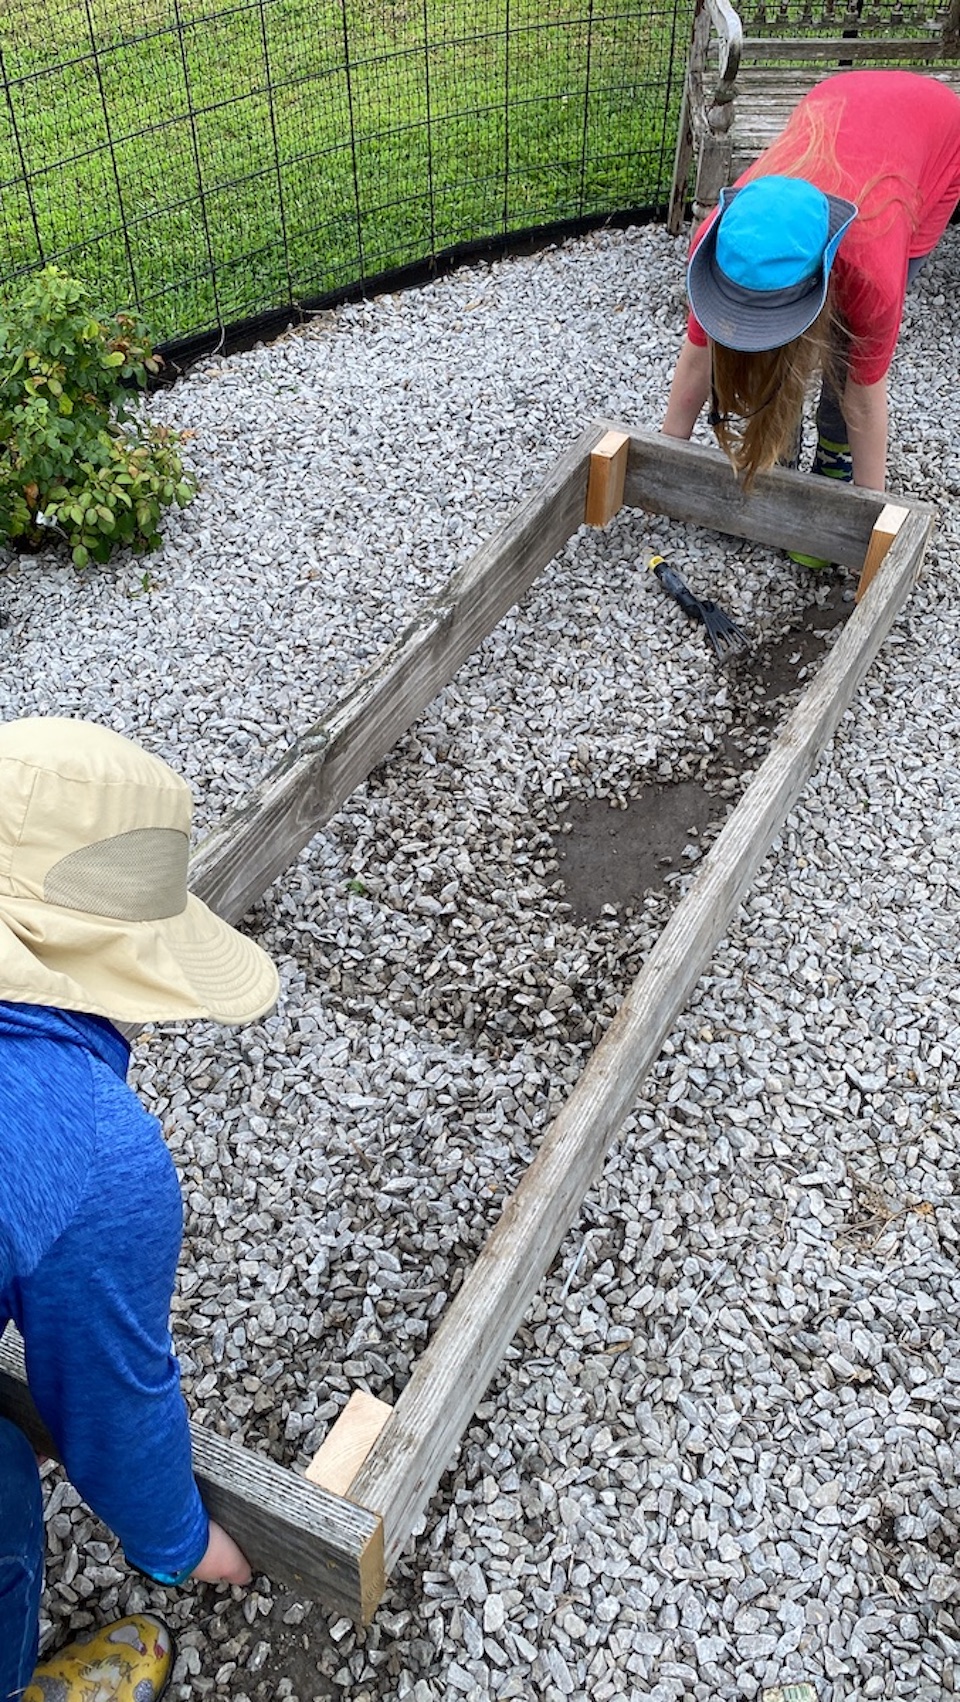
{"x":727,"y":638}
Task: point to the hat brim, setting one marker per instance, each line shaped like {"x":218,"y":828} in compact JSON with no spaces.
{"x":180,"y":967}
{"x":752,"y":321}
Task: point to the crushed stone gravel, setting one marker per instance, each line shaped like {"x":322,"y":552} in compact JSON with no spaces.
{"x":723,"y":1452}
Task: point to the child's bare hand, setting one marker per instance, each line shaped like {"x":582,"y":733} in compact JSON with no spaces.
{"x":223,"y":1562}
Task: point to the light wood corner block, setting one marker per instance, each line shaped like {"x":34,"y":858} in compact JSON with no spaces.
{"x":341,"y":1454}
{"x":608,"y":471}
{"x":888,"y":523}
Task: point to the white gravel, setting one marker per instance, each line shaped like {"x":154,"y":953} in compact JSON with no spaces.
{"x":723,"y":1453}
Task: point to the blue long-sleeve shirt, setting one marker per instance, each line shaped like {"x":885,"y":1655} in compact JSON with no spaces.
{"x":91,"y":1223}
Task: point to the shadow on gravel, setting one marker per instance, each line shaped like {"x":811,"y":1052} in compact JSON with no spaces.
{"x":613,"y":856}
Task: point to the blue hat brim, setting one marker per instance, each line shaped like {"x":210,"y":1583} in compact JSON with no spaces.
{"x":753,"y":321}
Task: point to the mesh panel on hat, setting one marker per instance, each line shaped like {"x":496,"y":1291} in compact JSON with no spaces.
{"x":140,"y":876}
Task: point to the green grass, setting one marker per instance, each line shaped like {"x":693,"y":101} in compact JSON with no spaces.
{"x":208,"y":164}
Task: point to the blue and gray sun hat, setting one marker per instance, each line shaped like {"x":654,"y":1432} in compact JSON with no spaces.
{"x":759,"y":275}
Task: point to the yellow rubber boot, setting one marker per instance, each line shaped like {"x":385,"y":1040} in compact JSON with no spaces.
{"x":128,"y":1661}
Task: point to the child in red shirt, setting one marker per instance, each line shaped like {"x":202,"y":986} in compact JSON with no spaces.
{"x":806,"y":262}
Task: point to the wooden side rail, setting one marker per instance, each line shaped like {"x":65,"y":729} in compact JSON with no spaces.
{"x":254,"y":844}
{"x":405,"y":1465}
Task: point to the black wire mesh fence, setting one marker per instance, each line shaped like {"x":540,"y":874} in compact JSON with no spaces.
{"x":211,"y":163}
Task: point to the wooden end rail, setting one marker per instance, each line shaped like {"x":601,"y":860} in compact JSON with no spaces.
{"x":288,"y":1528}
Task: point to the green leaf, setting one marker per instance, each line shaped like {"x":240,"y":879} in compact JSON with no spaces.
{"x":71,"y":434}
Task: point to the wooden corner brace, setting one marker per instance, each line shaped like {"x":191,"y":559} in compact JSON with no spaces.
{"x":887,"y":525}
{"x":341,"y":1454}
{"x":303,"y":1534}
{"x":608,"y":471}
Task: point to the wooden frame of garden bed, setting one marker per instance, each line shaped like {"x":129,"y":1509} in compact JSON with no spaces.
{"x":338,"y":1548}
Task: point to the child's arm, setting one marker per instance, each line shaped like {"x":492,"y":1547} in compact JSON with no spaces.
{"x":866,"y":414}
{"x":689,"y":390}
{"x":94,"y":1317}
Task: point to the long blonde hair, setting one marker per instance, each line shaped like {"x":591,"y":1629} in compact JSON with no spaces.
{"x":757,"y":399}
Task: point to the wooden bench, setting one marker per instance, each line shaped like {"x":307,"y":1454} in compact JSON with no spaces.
{"x":746,"y":71}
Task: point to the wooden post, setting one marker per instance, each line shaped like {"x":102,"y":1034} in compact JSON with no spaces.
{"x":341,"y":1454}
{"x":886,"y":527}
{"x":608,"y":470}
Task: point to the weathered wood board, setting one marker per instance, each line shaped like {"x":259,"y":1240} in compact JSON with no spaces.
{"x":769,"y":87}
{"x":785,"y":510}
{"x":257,"y":842}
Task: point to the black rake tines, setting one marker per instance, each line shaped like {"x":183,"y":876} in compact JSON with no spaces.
{"x":728,"y":639}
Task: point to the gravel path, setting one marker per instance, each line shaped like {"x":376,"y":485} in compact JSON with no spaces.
{"x":724,"y":1450}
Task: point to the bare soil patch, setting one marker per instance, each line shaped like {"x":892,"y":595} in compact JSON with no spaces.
{"x":613,"y":856}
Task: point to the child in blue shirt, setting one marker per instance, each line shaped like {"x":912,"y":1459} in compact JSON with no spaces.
{"x":97,"y":928}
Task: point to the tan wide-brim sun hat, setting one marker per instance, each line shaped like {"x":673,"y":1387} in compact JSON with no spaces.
{"x":94,"y":909}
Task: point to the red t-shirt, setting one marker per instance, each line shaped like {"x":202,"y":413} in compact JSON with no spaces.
{"x":890,"y":142}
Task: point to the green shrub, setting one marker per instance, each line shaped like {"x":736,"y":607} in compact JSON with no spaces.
{"x":76,"y":461}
